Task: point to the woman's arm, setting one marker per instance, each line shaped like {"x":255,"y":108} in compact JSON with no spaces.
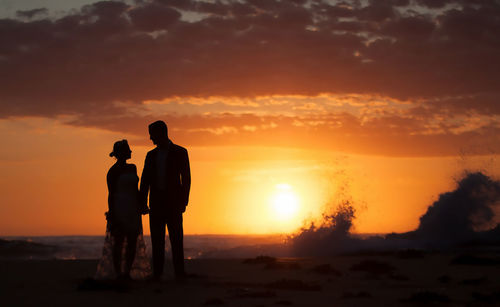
{"x":141,"y":206}
{"x":111,"y":182}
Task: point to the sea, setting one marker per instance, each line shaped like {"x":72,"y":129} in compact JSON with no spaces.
{"x":91,"y":247}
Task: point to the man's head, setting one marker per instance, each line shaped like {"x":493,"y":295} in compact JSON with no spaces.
{"x":158,"y":132}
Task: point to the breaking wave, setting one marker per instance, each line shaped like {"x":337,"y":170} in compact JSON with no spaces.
{"x":468,"y":213}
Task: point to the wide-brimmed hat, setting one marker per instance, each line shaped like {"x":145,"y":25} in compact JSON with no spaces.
{"x":119,"y":146}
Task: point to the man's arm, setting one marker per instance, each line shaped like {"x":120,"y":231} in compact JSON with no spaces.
{"x":145,"y":185}
{"x":185,"y":178}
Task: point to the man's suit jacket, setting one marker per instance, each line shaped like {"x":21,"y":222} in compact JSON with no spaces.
{"x":174,"y":196}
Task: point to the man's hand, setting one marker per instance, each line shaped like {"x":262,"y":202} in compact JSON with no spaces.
{"x":144,"y":210}
{"x":143,"y":205}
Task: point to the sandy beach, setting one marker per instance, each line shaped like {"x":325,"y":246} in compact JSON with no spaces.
{"x":384,"y":279}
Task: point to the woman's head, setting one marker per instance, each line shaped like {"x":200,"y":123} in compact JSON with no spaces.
{"x":121,"y":150}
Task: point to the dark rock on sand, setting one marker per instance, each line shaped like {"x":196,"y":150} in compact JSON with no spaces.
{"x":474,"y":260}
{"x":360,"y":294}
{"x":260,"y":260}
{"x":326,"y":269}
{"x":444,"y":279}
{"x":374,"y":268}
{"x":474,"y":281}
{"x":489,"y":298}
{"x":293,"y":284}
{"x":214,"y":301}
{"x":427,"y":297}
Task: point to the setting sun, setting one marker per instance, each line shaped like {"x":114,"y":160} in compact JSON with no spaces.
{"x":285,"y":202}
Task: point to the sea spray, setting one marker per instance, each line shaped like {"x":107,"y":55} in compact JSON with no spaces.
{"x":469,"y":213}
{"x":332,"y":235}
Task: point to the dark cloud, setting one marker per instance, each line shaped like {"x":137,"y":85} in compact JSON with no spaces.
{"x":31,"y":13}
{"x":434,"y":3}
{"x":443,"y":60}
{"x":153,"y":17}
{"x":408,"y":29}
{"x":105,"y":9}
{"x":377,"y":11}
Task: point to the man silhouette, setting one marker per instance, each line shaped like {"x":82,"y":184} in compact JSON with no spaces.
{"x":166,"y":176}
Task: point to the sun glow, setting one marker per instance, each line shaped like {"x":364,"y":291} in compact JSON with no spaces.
{"x":285,"y":202}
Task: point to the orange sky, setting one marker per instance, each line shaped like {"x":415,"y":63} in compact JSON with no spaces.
{"x":53,"y":183}
{"x":384,"y":103}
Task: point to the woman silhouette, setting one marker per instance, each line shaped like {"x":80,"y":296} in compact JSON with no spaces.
{"x":124,"y":226}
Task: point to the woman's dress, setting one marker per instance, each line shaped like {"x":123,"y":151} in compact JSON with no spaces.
{"x":126,"y":221}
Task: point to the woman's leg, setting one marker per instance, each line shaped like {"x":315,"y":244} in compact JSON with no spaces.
{"x":130,"y":253}
{"x":117,"y":254}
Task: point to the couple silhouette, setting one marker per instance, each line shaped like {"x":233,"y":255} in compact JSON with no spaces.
{"x":166,"y":179}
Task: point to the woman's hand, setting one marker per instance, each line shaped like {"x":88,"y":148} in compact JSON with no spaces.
{"x":109,"y":216}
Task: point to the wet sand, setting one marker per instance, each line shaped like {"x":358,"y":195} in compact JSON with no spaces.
{"x":388,"y":279}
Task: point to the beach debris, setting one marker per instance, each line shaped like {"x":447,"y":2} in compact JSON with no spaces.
{"x":257,"y":294}
{"x":91,"y":284}
{"x":214,"y":301}
{"x":249,"y":292}
{"x":410,"y":254}
{"x":427,"y":297}
{"x":326,"y":269}
{"x":360,"y":294}
{"x":489,"y":298}
{"x":475,"y":281}
{"x":369,"y":253}
{"x":260,"y":260}
{"x":474,"y":260}
{"x":282,"y":265}
{"x":293,"y":284}
{"x":374,"y":268}
{"x":399,"y":277}
{"x":272,"y":263}
{"x":444,"y":279}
